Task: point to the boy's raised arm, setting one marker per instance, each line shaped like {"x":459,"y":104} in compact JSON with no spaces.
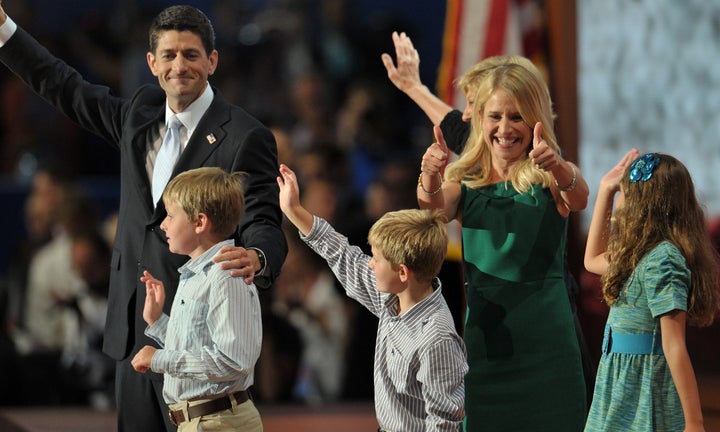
{"x":290,"y":201}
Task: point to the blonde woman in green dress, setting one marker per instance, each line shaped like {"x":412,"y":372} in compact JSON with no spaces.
{"x":659,"y":271}
{"x":512,"y":192}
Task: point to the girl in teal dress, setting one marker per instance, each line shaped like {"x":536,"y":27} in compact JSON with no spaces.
{"x":512,"y":192}
{"x":659,"y":271}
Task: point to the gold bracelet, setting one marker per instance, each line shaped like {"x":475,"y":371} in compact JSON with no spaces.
{"x":423,"y":189}
{"x":572,"y":183}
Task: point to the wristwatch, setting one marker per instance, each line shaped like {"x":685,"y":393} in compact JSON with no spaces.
{"x":261,"y":259}
{"x":261,"y":280}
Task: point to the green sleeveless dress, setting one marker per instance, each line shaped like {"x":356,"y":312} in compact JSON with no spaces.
{"x":525,"y":367}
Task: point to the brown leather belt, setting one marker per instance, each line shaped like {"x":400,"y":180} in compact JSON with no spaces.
{"x":209,"y":407}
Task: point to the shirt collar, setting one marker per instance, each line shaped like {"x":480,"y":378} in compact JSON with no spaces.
{"x":196,"y":265}
{"x":194,"y":112}
{"x":418,"y":312}
{"x":7,"y":30}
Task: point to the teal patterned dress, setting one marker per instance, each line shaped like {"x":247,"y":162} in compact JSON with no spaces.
{"x":525,"y":368}
{"x":634,"y":390}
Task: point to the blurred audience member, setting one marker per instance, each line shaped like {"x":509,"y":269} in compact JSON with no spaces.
{"x":313,"y":111}
{"x":285,"y":149}
{"x":308,"y":297}
{"x":48,"y":188}
{"x":50,"y":331}
{"x":82,"y":354}
{"x":109,"y":228}
{"x":51,"y":278}
{"x":392,"y":189}
{"x":367,"y":134}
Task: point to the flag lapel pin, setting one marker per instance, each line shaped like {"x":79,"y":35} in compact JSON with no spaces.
{"x":211,"y":138}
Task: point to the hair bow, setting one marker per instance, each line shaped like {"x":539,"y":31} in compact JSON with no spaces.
{"x":642,"y":168}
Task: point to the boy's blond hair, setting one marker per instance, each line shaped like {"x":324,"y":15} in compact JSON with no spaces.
{"x":416,"y":238}
{"x":209,"y":190}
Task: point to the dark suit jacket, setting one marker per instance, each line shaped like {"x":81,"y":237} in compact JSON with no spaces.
{"x":240,"y":143}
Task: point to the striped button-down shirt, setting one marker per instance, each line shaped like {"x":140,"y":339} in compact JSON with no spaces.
{"x":420,"y":361}
{"x":212,"y":338}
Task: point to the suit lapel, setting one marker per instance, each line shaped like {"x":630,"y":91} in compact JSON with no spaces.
{"x":147,"y":133}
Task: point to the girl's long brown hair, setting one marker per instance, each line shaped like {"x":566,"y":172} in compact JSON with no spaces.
{"x":664,"y":208}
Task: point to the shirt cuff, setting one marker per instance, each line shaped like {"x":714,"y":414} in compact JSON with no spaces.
{"x":158,"y":329}
{"x":7,"y":30}
{"x":163,"y":360}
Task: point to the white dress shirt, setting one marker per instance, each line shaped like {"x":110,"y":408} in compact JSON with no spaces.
{"x":212,"y":338}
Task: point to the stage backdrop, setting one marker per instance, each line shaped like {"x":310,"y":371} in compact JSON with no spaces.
{"x":649,"y":77}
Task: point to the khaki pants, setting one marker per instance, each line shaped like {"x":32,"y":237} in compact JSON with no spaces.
{"x":244,"y":417}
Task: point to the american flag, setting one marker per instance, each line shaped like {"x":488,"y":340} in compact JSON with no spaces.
{"x":475,"y":29}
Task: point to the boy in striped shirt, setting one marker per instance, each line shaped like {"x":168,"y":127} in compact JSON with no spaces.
{"x":212,"y":338}
{"x":420,"y":360}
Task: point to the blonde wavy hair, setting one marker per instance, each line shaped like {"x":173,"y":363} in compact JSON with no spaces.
{"x":416,"y":238}
{"x":468,"y":81}
{"x":525,"y":85}
{"x":663,"y":208}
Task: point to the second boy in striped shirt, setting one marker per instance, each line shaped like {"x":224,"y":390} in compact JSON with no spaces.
{"x":420,"y":361}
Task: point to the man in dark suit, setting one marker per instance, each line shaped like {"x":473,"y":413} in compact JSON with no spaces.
{"x":215,"y":133}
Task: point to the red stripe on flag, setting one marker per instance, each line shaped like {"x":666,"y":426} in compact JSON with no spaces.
{"x":477,"y":29}
{"x":449,"y":63}
{"x":453,"y":69}
{"x":496,"y":28}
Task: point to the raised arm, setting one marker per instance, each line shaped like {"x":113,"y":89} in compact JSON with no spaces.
{"x":406,"y":77}
{"x":290,"y":201}
{"x":597,"y":241}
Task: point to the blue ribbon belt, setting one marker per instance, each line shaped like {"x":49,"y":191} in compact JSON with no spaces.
{"x":624,"y":343}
